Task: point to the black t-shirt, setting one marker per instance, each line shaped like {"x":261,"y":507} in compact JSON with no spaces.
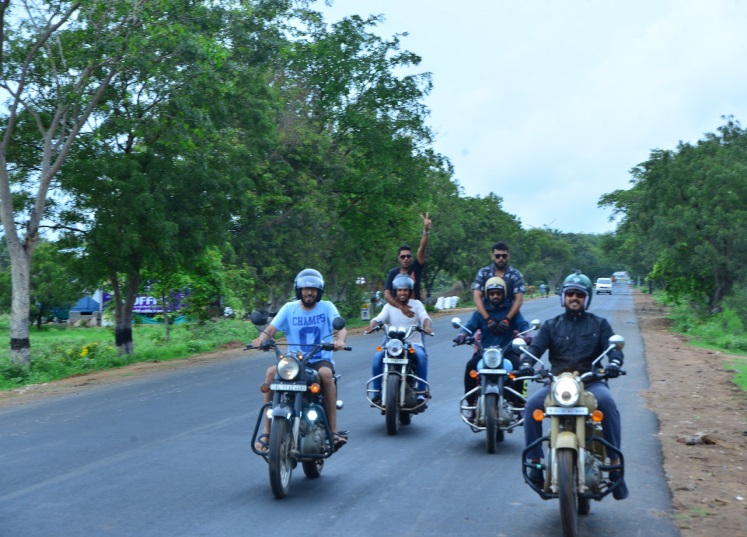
{"x":415,"y":272}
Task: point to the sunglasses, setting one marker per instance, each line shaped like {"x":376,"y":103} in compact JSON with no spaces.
{"x":577,"y":294}
{"x":499,"y":256}
{"x":405,"y":256}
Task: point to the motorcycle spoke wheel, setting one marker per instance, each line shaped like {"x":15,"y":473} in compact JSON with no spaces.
{"x":491,"y":421}
{"x":392,"y":404}
{"x":279,"y":459}
{"x":567,"y":492}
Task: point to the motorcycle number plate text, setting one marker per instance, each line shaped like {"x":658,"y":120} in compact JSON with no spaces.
{"x":288,"y":387}
{"x":399,"y":361}
{"x":560,"y":411}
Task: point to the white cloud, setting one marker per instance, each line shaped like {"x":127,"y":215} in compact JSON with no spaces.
{"x":549,"y":104}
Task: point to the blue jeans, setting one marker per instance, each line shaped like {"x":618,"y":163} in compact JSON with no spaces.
{"x":421,"y":367}
{"x":611,"y":425}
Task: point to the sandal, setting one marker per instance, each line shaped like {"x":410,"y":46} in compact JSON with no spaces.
{"x":263,"y":442}
{"x":339,"y":440}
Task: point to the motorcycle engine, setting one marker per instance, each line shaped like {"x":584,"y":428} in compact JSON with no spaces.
{"x":313,"y":439}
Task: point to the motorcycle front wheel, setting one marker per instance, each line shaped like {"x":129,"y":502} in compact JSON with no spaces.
{"x":392,"y":404}
{"x":567,"y":492}
{"x":279,"y":459}
{"x":491,"y":421}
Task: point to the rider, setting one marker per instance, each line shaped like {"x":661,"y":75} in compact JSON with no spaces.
{"x":575,"y":339}
{"x":413,"y":268}
{"x":306,"y":322}
{"x":515,"y":288}
{"x":403,"y":285}
{"x":497,"y":309}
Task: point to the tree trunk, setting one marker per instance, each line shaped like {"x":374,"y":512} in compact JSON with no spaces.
{"x":123,"y":312}
{"x":20,"y":345}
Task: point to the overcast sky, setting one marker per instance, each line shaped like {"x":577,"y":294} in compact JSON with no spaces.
{"x":550,"y":103}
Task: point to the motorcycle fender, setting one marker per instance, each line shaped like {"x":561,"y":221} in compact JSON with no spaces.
{"x":566,"y":440}
{"x":492,"y":388}
{"x":282,"y":411}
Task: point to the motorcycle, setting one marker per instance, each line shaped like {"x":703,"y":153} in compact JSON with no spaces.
{"x":499,"y":407}
{"x":577,"y":453}
{"x":299,"y":430}
{"x":399,"y":393}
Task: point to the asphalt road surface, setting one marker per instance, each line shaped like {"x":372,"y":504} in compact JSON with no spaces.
{"x":168,"y":455}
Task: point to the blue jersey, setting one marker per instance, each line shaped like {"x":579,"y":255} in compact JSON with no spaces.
{"x":305,"y":328}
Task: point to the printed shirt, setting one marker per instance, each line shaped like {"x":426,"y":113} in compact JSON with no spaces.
{"x":304,"y":328}
{"x":513,"y":278}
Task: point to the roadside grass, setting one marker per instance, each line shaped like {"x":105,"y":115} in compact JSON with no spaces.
{"x":723,"y":332}
{"x":60,"y":351}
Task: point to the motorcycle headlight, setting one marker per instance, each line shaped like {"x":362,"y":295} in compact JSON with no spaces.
{"x":566,"y":391}
{"x":394,"y":347}
{"x":492,"y":358}
{"x":288,"y":368}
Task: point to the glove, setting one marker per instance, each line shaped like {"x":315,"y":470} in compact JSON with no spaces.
{"x":613,"y":369}
{"x":526,"y":370}
{"x":461,"y":339}
{"x":494,"y":327}
{"x":503,"y":326}
{"x":528,"y":339}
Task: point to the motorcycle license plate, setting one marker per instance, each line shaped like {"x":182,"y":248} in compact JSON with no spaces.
{"x":560,"y":411}
{"x":288,"y":387}
{"x":493,"y":372}
{"x":398,"y":361}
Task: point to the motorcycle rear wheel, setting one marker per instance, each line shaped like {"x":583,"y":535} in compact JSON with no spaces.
{"x":392,"y":404}
{"x":491,"y":421}
{"x":280,"y":463}
{"x":567,"y":492}
{"x":313,"y":469}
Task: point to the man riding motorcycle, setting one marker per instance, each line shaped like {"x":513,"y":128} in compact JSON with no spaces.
{"x":497,"y":309}
{"x":403,"y":290}
{"x":305,"y":322}
{"x":574,"y":339}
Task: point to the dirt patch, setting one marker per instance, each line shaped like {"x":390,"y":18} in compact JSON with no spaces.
{"x":702,"y":419}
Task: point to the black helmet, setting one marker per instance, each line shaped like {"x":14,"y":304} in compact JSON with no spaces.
{"x":309,"y":278}
{"x":579,"y":282}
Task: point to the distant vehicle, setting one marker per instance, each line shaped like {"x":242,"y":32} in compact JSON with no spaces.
{"x":621,"y":276}
{"x":603,"y":285}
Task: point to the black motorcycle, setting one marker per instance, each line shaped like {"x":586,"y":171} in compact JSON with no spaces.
{"x":299,"y":430}
{"x":499,"y":407}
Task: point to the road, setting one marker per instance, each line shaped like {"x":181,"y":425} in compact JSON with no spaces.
{"x":168,"y":455}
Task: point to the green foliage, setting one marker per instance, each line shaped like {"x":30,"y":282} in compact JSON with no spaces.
{"x":683,"y":218}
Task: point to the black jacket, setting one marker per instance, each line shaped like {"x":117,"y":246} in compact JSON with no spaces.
{"x":574,"y":341}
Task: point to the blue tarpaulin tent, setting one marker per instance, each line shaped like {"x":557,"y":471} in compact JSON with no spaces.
{"x":86,"y":305}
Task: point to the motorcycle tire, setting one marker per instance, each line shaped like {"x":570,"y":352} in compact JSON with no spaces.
{"x":313,"y":469}
{"x":405,"y":418}
{"x":392,"y":404}
{"x":279,"y":459}
{"x":491,"y":422}
{"x":567,"y":492}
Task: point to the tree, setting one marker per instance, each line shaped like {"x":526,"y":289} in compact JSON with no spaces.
{"x":58,"y":60}
{"x":170,"y":162}
{"x":685,"y":214}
